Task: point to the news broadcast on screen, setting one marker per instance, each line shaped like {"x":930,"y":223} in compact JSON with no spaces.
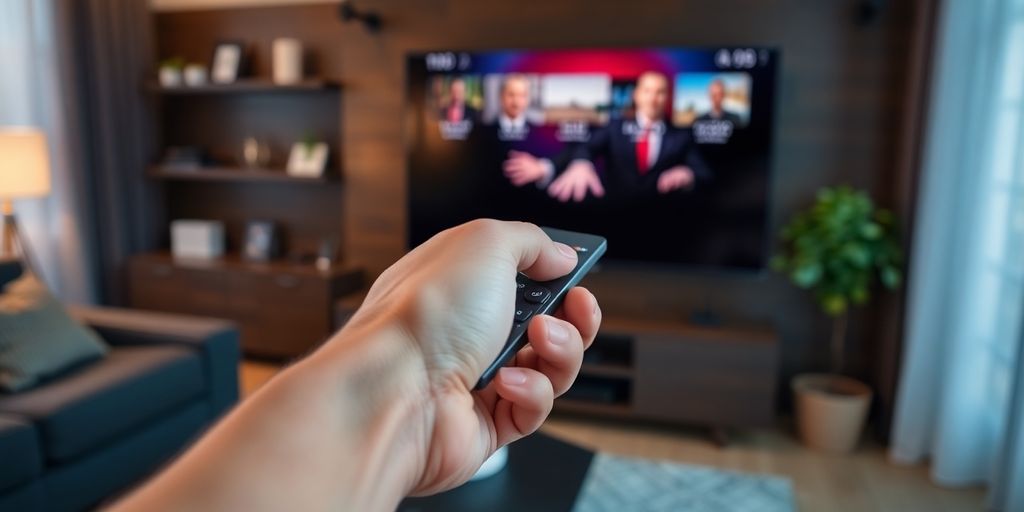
{"x":665,"y":152}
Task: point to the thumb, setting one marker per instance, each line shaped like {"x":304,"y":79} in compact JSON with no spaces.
{"x":536,"y":255}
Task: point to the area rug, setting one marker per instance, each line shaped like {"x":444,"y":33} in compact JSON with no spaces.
{"x":620,"y":484}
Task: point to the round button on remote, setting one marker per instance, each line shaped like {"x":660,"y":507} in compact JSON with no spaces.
{"x":523,"y":313}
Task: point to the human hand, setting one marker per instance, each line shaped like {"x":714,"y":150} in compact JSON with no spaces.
{"x":675,"y":178}
{"x":453,"y":298}
{"x":384,"y":409}
{"x":522,"y":168}
{"x":574,"y":183}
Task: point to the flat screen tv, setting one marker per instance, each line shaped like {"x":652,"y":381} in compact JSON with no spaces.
{"x":666,"y":152}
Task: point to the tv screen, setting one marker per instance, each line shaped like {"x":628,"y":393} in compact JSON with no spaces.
{"x":664,"y":152}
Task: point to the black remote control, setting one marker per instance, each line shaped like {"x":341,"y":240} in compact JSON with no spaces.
{"x":542,"y":298}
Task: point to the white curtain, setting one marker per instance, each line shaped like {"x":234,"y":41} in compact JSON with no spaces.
{"x":961,"y":394}
{"x":37,"y":89}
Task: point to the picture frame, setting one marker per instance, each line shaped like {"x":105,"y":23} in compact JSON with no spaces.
{"x":262,"y":241}
{"x":228,"y":62}
{"x":308,"y":159}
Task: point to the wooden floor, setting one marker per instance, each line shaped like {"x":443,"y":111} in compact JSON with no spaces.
{"x":863,"y":481}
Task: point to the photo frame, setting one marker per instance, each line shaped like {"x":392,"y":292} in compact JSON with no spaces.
{"x":228,"y":62}
{"x":262,"y":241}
{"x":308,"y":160}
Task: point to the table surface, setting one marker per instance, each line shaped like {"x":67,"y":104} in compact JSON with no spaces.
{"x":543,"y":474}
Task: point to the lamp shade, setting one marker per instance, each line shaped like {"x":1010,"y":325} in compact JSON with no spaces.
{"x":24,"y":163}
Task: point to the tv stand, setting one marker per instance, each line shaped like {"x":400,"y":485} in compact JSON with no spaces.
{"x":705,"y":317}
{"x":720,"y":377}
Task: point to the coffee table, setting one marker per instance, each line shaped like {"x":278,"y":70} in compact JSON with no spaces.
{"x":543,"y":474}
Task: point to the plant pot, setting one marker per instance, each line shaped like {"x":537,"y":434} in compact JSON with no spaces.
{"x":170,"y":76}
{"x":830,"y":411}
{"x":194,"y":75}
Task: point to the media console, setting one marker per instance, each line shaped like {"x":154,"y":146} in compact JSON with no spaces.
{"x":720,"y":377}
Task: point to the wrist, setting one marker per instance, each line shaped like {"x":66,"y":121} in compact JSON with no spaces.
{"x":371,"y":385}
{"x":548,"y":172}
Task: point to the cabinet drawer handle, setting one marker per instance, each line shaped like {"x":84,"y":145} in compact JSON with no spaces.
{"x":286,"y":281}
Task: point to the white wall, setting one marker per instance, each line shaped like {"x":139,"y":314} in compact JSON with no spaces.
{"x":181,"y":5}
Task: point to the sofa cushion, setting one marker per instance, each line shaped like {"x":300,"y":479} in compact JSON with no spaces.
{"x":37,"y":337}
{"x":22,"y":458}
{"x":106,"y":400}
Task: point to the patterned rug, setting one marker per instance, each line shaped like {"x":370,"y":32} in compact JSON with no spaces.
{"x":620,"y":484}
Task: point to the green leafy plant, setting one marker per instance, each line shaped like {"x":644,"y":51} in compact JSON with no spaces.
{"x":309,"y":142}
{"x":173,"y":63}
{"x":838,"y":249}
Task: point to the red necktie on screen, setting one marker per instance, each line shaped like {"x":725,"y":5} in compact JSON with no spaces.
{"x":642,"y":151}
{"x":454,"y":113}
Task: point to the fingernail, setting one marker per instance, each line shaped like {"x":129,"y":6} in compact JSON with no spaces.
{"x":513,"y":376}
{"x":557,"y":332}
{"x":566,"y":251}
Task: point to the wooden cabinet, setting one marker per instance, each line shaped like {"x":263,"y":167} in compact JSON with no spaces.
{"x":712,"y":376}
{"x":282,"y":310}
{"x":724,"y":381}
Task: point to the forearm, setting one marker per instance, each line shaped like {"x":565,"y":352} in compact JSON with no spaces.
{"x":337,"y":431}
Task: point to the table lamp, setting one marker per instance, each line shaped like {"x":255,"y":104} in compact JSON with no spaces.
{"x":24,"y":172}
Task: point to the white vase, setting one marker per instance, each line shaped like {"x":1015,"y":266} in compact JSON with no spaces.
{"x":195,"y":75}
{"x":287,"y":61}
{"x":170,"y":76}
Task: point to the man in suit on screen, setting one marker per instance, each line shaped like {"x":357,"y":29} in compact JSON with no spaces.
{"x":455,"y":109}
{"x":515,"y":134}
{"x":716,"y":94}
{"x":644,"y":155}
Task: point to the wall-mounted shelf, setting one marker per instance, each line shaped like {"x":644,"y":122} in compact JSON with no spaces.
{"x":235,"y":174}
{"x":245,"y":86}
{"x":235,"y":262}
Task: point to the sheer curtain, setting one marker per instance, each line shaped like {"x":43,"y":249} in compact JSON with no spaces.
{"x":961,"y":395}
{"x":37,"y":89}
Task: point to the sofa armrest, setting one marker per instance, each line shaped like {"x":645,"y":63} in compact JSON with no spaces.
{"x":217,"y":341}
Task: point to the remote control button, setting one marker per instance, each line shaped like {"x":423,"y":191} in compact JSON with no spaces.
{"x":515,"y":327}
{"x":536,"y":294}
{"x":523,"y":313}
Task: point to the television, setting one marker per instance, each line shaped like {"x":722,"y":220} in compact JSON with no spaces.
{"x":666,"y":152}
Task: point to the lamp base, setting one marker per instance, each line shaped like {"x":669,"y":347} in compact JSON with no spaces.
{"x":12,"y":244}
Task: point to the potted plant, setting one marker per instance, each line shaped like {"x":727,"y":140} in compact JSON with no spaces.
{"x":170,"y":71}
{"x":838,"y":249}
{"x":194,"y":74}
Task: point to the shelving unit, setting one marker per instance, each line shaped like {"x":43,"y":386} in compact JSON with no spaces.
{"x":245,"y":86}
{"x":234,"y":174}
{"x":283,"y":307}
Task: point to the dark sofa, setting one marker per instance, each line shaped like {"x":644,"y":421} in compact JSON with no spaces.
{"x":89,"y":434}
